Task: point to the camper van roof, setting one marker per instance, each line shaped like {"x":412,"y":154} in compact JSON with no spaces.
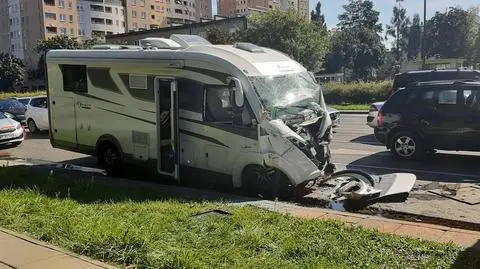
{"x":253,"y":62}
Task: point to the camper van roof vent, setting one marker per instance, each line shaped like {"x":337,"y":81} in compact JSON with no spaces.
{"x":248,"y":47}
{"x":159,"y":43}
{"x":114,"y":47}
{"x":189,"y":40}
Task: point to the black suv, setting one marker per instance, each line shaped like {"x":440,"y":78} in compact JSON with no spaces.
{"x":425,"y":116}
{"x":403,"y":79}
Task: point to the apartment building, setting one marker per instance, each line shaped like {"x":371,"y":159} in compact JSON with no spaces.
{"x":234,"y":8}
{"x":99,"y":18}
{"x":145,"y":14}
{"x":22,"y":24}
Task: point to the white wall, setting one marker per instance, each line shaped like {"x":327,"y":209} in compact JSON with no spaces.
{"x":85,"y":15}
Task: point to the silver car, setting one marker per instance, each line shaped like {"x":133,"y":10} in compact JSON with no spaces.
{"x":11,"y":131}
{"x":334,"y":115}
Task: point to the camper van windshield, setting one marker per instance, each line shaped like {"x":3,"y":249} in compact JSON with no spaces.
{"x":298,"y":89}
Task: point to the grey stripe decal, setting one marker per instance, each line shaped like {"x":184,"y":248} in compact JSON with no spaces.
{"x":132,"y":117}
{"x":206,"y":138}
{"x":211,"y":73}
{"x":101,"y":78}
{"x":148,"y":111}
{"x":97,"y":98}
{"x":250,"y":133}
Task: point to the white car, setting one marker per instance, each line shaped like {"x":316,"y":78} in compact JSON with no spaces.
{"x":37,"y":114}
{"x":11,"y":131}
{"x":373,"y":113}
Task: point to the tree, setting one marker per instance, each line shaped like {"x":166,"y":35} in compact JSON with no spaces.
{"x":317,"y":17}
{"x":291,"y":34}
{"x":58,"y":42}
{"x":399,"y":29}
{"x":473,"y":34}
{"x":219,"y":35}
{"x":415,"y":38}
{"x":12,"y":71}
{"x":359,"y":44}
{"x":447,"y":34}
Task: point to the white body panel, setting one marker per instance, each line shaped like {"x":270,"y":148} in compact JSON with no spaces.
{"x":81,"y":120}
{"x":38,"y":114}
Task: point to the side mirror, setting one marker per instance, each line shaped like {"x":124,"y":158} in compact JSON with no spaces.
{"x":238,"y":95}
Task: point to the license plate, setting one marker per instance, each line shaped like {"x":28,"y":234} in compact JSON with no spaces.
{"x":7,"y":136}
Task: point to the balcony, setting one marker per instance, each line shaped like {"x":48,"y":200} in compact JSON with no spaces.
{"x":51,"y":30}
{"x":98,"y":21}
{"x":97,"y":8}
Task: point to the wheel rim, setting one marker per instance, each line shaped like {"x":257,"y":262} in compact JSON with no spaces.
{"x":405,"y":146}
{"x":264,"y":177}
{"x":110,"y":157}
{"x":31,"y":126}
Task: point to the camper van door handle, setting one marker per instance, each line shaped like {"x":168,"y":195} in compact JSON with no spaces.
{"x":53,"y":102}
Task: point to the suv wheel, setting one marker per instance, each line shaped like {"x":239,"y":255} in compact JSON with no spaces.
{"x":407,"y":146}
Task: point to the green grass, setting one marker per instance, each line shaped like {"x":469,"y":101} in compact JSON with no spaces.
{"x":351,"y":107}
{"x":142,"y":227}
{"x":5,"y":95}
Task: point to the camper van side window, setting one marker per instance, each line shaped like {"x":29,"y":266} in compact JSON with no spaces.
{"x":190,"y":95}
{"x":74,"y":78}
{"x":219,"y":107}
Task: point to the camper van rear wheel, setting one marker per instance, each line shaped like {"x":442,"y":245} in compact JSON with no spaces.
{"x":267,"y":182}
{"x":110,"y":158}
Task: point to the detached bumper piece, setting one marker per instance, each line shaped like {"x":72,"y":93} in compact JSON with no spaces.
{"x":357,"y":185}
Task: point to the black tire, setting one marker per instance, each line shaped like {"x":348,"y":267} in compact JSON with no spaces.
{"x":406,"y":145}
{"x":16,"y":144}
{"x":268,"y":183}
{"x":32,"y":126}
{"x":109,"y":157}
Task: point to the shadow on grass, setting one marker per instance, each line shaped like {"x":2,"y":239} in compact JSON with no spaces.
{"x":464,"y":259}
{"x":87,"y":188}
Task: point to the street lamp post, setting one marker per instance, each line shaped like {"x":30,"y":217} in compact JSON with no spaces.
{"x":424,"y":39}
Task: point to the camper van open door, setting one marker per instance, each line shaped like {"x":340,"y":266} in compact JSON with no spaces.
{"x":166,"y":99}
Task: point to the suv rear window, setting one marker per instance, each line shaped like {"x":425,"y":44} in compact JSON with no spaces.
{"x":395,"y":101}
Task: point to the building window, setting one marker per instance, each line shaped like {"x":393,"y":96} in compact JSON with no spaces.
{"x":49,"y":16}
{"x":135,"y":25}
{"x":63,"y":30}
{"x":62,"y":17}
{"x":109,"y":22}
{"x":178,"y":11}
{"x":70,"y":5}
{"x":152,"y":7}
{"x":153,"y":17}
{"x":61,"y":3}
{"x":116,"y":11}
{"x":72,"y":31}
{"x":80,"y":32}
{"x":117,"y":23}
{"x":143,"y":15}
{"x":133,"y":2}
{"x":108,"y":9}
{"x":142,"y":3}
{"x":74,"y":78}
{"x":70,"y":18}
{"x":134,"y":13}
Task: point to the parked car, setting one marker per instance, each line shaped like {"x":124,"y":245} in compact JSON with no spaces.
{"x":13,"y":109}
{"x":429,"y":116}
{"x":23,"y":100}
{"x":11,"y":131}
{"x":334,"y":115}
{"x":403,"y":79}
{"x":37,"y":114}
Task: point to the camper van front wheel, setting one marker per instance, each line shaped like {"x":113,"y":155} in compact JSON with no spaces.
{"x":267,"y":182}
{"x":110,"y":158}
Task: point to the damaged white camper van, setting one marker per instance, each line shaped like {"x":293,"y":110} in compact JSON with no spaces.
{"x":244,"y":111}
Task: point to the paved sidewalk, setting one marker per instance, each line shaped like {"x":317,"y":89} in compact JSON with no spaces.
{"x":21,"y":252}
{"x":444,"y":234}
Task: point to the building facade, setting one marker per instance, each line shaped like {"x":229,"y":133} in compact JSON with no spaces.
{"x":22,"y":24}
{"x":144,"y":15}
{"x":99,"y":18}
{"x":235,"y":8}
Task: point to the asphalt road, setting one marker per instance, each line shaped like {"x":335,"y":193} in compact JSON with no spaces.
{"x":354,"y":147}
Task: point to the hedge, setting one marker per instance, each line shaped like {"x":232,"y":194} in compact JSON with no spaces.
{"x":357,"y":93}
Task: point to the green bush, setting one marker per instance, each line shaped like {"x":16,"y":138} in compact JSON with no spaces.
{"x":357,"y":93}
